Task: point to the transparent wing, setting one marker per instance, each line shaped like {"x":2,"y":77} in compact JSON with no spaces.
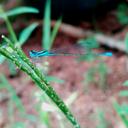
{"x":75,"y":50}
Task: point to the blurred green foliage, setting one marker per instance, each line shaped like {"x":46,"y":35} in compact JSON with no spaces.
{"x":100,"y":69}
{"x":48,"y":37}
{"x":45,"y":108}
{"x":102,"y":122}
{"x":122,"y":111}
{"x":13,"y":102}
{"x":25,"y":34}
{"x":88,"y":45}
{"x":96,"y":75}
{"x":122,"y":13}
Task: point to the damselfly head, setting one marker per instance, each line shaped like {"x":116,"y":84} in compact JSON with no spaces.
{"x":33,"y":53}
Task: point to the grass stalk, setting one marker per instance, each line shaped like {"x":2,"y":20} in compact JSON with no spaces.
{"x":17,"y":56}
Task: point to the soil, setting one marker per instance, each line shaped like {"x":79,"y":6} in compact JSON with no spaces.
{"x":91,"y":99}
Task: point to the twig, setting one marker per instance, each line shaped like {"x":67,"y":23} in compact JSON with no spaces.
{"x":78,"y":33}
{"x":110,"y":42}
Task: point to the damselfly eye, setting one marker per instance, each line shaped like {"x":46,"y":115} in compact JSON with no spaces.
{"x":32,"y":53}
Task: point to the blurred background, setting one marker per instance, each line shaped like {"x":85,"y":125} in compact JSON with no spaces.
{"x":95,"y":88}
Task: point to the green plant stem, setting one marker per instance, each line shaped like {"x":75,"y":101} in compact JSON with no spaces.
{"x":54,"y":32}
{"x":123,"y":117}
{"x":47,"y":27}
{"x":17,"y":56}
{"x":14,"y":40}
{"x":9,"y":26}
{"x":12,"y":35}
{"x":11,"y":31}
{"x":13,"y":96}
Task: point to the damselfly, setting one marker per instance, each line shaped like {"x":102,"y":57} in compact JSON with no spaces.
{"x":37,"y":55}
{"x":82,"y":52}
{"x":80,"y":49}
{"x":47,"y":53}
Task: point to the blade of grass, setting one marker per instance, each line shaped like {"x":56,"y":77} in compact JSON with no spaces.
{"x":55,"y":31}
{"x":122,"y":14}
{"x":14,"y":40}
{"x":25,"y":34}
{"x":126,"y":46}
{"x":102,"y":69}
{"x":12,"y":68}
{"x":8,"y":24}
{"x":54,"y":79}
{"x":126,"y":43}
{"x":118,"y":109}
{"x":46,"y":26}
{"x":18,"y":125}
{"x":21,"y":10}
{"x":2,"y":59}
{"x":17,"y":56}
{"x":103,"y":123}
{"x":125,"y":83}
{"x":10,"y":30}
{"x":123,"y":93}
{"x":12,"y":91}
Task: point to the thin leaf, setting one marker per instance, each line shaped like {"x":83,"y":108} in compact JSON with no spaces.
{"x":102,"y":69}
{"x":2,"y":13}
{"x":122,"y":14}
{"x":126,"y":43}
{"x":123,"y":109}
{"x":2,"y":59}
{"x":102,"y":122}
{"x":25,"y":34}
{"x":12,"y":91}
{"x":12,"y":68}
{"x":31,"y":117}
{"x":54,"y":79}
{"x":2,"y":16}
{"x":125,"y":83}
{"x":18,"y":125}
{"x":124,"y":93}
{"x":120,"y":113}
{"x":55,"y":31}
{"x":47,"y":26}
{"x":71,"y":98}
{"x":89,"y":43}
{"x":21,"y":10}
